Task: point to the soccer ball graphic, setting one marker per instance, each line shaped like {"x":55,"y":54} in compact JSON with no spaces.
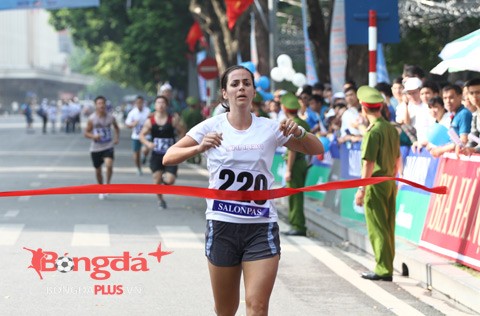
{"x":64,"y":264}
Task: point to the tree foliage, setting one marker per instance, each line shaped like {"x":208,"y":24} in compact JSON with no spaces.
{"x":137,"y":46}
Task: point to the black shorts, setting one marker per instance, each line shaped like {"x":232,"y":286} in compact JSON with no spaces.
{"x":228,"y":244}
{"x":98,"y":156}
{"x":156,"y":164}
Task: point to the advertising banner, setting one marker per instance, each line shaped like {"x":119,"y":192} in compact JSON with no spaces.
{"x":452,"y":226}
{"x":351,"y":160}
{"x":318,"y":173}
{"x":412,"y":203}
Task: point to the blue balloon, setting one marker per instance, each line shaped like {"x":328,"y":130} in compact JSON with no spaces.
{"x":263,"y":82}
{"x":268,"y":96}
{"x":438,"y":135}
{"x":325,"y":142}
{"x":249,"y":65}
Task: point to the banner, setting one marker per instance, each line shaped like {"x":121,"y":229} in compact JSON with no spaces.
{"x":310,"y":71}
{"x":382,"y":72}
{"x":338,"y":47}
{"x":412,"y":204}
{"x":47,"y":4}
{"x":351,"y":160}
{"x":452,"y":226}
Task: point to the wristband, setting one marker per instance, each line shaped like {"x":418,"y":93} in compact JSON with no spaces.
{"x":361,"y":189}
{"x":302,"y":135}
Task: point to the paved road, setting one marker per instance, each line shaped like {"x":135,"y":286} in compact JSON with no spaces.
{"x":316,"y":277}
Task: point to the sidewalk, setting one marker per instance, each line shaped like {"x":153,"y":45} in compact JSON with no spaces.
{"x":433,"y":271}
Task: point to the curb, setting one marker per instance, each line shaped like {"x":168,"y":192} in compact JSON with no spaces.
{"x":432,"y":271}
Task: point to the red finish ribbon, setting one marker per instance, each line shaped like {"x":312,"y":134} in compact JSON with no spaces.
{"x":214,"y":193}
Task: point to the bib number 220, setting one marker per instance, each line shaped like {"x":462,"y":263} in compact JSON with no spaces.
{"x":243,"y":181}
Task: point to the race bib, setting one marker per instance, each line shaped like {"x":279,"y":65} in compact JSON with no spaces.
{"x":162,"y":145}
{"x":242,"y":180}
{"x":105,"y":134}
{"x":138,"y":128}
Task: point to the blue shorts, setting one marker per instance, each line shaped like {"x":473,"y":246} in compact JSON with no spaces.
{"x":229,"y":244}
{"x":136,"y":145}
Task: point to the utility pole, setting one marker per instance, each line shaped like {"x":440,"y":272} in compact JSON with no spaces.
{"x":272,"y":37}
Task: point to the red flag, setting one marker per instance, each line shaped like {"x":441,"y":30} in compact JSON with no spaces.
{"x":235,"y":8}
{"x":193,"y":36}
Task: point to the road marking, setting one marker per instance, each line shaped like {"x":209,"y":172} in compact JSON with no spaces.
{"x":374,"y":291}
{"x":199,"y":169}
{"x":24,"y":198}
{"x":91,"y":235}
{"x":11,"y":213}
{"x":9,"y":233}
{"x":175,"y":237}
{"x":58,"y":169}
{"x":35,"y":184}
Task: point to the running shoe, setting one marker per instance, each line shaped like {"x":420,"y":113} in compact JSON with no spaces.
{"x":162,"y":204}
{"x":101,"y":196}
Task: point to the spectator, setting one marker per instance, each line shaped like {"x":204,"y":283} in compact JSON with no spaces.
{"x":429,"y":90}
{"x":386,"y":90}
{"x":275,"y":111}
{"x":397,"y":92}
{"x":414,"y":112}
{"x":439,"y":114}
{"x":316,"y":115}
{"x":349,"y":129}
{"x":473,"y":88}
{"x":461,"y":118}
{"x":318,"y":89}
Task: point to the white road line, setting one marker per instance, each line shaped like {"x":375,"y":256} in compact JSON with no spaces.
{"x":199,"y":169}
{"x":374,"y":291}
{"x":9,"y":233}
{"x":11,"y":213}
{"x":24,"y":198}
{"x":58,"y":169}
{"x":179,"y":237}
{"x":91,"y":235}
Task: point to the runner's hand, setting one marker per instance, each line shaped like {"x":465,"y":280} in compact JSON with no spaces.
{"x":211,"y":140}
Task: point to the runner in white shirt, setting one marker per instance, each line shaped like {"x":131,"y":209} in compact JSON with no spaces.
{"x":242,"y":236}
{"x":99,"y":130}
{"x":135,"y":120}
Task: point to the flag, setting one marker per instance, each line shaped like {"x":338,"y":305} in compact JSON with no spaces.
{"x":235,"y":8}
{"x":338,"y":47}
{"x":310,"y":72}
{"x":382,"y":72}
{"x":194,"y":35}
{"x":253,"y":41}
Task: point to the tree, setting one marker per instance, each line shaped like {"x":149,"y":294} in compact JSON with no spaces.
{"x":138,"y":46}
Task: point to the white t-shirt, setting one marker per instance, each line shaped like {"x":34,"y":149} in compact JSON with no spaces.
{"x":136,"y":115}
{"x":242,"y":162}
{"x":420,"y":118}
{"x":348,"y":117}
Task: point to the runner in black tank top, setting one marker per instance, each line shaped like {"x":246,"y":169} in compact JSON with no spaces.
{"x":163,"y":129}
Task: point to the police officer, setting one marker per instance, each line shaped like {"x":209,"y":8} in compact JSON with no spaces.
{"x":380,"y":158}
{"x":296,"y":170}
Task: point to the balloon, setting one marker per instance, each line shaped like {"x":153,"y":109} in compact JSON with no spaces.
{"x":288,"y":73}
{"x":325,"y":142}
{"x":267,"y":96}
{"x":249,"y":65}
{"x":263,"y":82}
{"x":299,"y":79}
{"x":438,"y":135}
{"x":284,"y":61}
{"x":276,"y":74}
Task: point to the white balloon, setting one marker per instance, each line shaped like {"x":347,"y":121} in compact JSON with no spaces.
{"x":276,"y":74}
{"x":288,"y":73}
{"x":284,"y":61}
{"x":299,"y":79}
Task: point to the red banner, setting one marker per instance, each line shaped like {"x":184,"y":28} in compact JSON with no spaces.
{"x":452,"y":226}
{"x":213,"y":193}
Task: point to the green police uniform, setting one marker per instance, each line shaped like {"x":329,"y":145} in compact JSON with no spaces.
{"x":296,"y":215}
{"x":381,"y":144}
